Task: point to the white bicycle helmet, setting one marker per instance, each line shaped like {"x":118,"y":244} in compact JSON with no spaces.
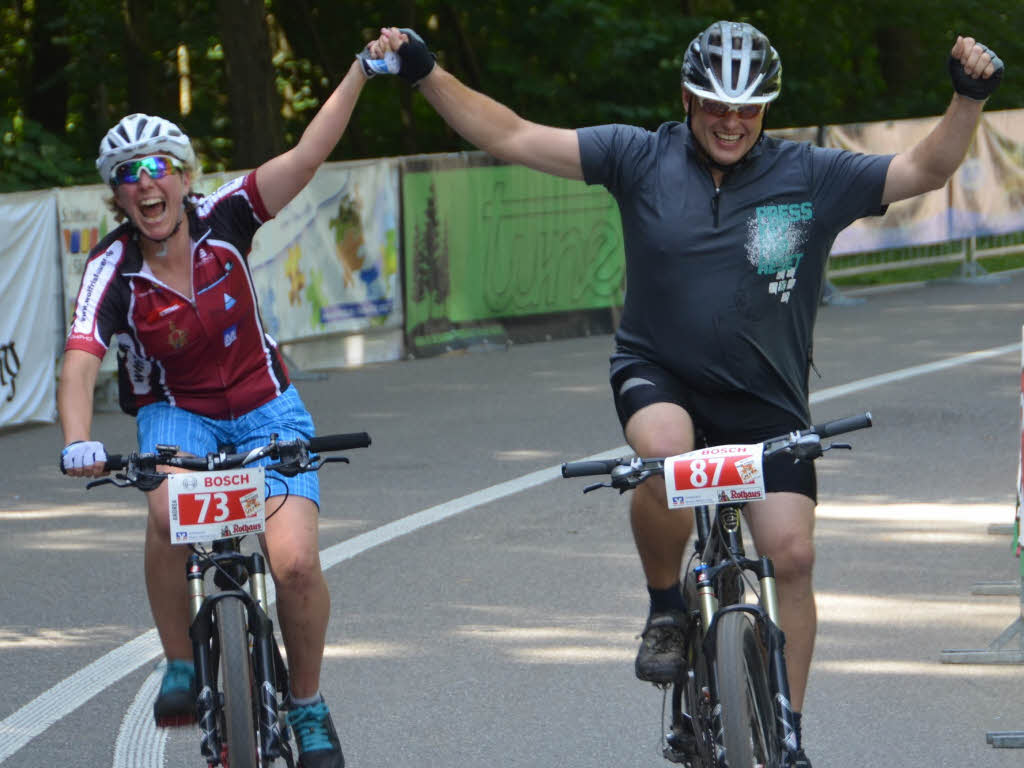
{"x":140,"y":134}
{"x":732,"y":62}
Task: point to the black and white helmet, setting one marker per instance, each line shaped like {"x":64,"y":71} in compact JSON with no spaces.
{"x":140,"y":134}
{"x":732,"y":62}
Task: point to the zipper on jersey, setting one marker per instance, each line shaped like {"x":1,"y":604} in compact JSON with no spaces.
{"x":714,"y":204}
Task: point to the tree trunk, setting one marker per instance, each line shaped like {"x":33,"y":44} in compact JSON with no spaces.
{"x":256,"y":123}
{"x":47,"y":97}
{"x":137,"y":44}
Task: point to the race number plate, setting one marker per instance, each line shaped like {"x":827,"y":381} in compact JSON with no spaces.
{"x":206,"y":506}
{"x":717,"y":475}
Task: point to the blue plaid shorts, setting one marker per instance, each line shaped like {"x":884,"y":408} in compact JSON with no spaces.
{"x":165,"y":424}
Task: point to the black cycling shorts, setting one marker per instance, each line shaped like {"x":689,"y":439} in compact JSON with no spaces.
{"x":719,"y":418}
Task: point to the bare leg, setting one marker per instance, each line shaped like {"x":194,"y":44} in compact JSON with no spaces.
{"x":165,"y":580}
{"x":660,"y":429}
{"x":783,"y":529}
{"x":303,"y":602}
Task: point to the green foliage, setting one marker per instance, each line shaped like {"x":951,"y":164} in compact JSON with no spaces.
{"x":31,"y":158}
{"x":560,"y":62}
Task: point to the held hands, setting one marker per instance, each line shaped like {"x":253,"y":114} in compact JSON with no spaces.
{"x":975,"y":69}
{"x":408,"y":49}
{"x":83,"y":457}
{"x":389,"y":64}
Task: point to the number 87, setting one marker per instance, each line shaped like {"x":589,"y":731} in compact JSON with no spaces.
{"x":698,"y":473}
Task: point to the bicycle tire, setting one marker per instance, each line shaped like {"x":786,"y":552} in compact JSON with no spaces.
{"x":744,"y":692}
{"x":237,"y":717}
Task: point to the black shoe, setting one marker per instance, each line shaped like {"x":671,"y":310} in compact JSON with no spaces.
{"x":175,"y":705}
{"x":661,"y":649}
{"x":318,"y":741}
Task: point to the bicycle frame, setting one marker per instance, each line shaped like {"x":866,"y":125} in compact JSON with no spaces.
{"x":720,"y":557}
{"x":267,"y":733}
{"x":713,"y":588}
{"x":233,"y":569}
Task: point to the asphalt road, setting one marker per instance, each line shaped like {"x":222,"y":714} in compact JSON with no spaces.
{"x":500,"y":628}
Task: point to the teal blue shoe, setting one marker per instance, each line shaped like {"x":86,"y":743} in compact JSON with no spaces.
{"x":318,"y":741}
{"x":175,"y":705}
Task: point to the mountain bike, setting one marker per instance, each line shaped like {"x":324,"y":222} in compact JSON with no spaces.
{"x":241,"y":677}
{"x":730,"y":703}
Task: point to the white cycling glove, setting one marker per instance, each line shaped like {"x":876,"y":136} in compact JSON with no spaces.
{"x":82,"y":453}
{"x":389,"y":65}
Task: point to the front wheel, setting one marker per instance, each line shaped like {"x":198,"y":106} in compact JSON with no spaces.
{"x":237,"y":722}
{"x":747,"y":711}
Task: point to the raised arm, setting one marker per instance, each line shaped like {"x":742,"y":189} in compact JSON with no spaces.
{"x":283,"y":177}
{"x":976,"y":71}
{"x":484,"y":122}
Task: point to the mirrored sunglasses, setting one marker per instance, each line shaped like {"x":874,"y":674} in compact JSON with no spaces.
{"x":721,"y":109}
{"x":156,"y":167}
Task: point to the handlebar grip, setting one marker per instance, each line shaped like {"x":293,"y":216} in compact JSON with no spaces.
{"x":115,"y":461}
{"x":848,"y":424}
{"x":339,"y":442}
{"x":587,"y":468}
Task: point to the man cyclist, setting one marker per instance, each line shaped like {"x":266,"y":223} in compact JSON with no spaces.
{"x":727,"y":233}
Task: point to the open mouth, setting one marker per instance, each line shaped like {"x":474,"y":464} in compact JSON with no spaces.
{"x":152,"y":209}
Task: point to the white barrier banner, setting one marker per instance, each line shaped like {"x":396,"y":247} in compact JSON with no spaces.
{"x":329,"y":261}
{"x":1020,"y":455}
{"x":28,"y":323}
{"x":988,"y":188}
{"x":919,"y":220}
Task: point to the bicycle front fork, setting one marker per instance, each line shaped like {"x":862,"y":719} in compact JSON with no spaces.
{"x":771,"y":635}
{"x":263,"y":650}
{"x":775,"y":642}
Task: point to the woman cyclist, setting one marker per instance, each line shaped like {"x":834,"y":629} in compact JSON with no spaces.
{"x":197,"y":370}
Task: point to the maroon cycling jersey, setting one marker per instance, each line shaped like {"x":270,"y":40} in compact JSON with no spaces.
{"x":207,"y":354}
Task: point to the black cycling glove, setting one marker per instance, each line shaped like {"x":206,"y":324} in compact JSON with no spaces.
{"x":417,"y":60}
{"x":976,"y":88}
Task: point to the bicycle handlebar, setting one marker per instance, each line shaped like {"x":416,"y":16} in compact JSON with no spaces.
{"x":290,"y":455}
{"x":804,"y":444}
{"x":343,"y":442}
{"x":588,"y":468}
{"x":841,"y":426}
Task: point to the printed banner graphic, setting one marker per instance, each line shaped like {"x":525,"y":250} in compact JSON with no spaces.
{"x":328,"y":262}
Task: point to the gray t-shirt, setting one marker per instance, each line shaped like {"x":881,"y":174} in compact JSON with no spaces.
{"x":723,"y":286}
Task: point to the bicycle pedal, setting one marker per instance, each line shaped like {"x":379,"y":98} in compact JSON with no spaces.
{"x":675,"y":756}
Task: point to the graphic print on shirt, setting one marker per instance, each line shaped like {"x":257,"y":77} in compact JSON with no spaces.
{"x":775,"y":243}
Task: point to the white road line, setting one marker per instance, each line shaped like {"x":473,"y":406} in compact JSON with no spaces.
{"x":139,"y":744}
{"x":39,"y":714}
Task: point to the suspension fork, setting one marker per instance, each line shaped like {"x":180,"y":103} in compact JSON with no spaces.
{"x":263,"y":654}
{"x":775,"y":642}
{"x":201,"y":631}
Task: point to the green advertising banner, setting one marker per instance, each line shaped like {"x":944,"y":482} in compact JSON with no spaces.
{"x":494,"y":242}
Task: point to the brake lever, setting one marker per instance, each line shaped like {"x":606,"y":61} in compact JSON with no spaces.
{"x":110,"y":481}
{"x":845,"y":446}
{"x":595,"y":486}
